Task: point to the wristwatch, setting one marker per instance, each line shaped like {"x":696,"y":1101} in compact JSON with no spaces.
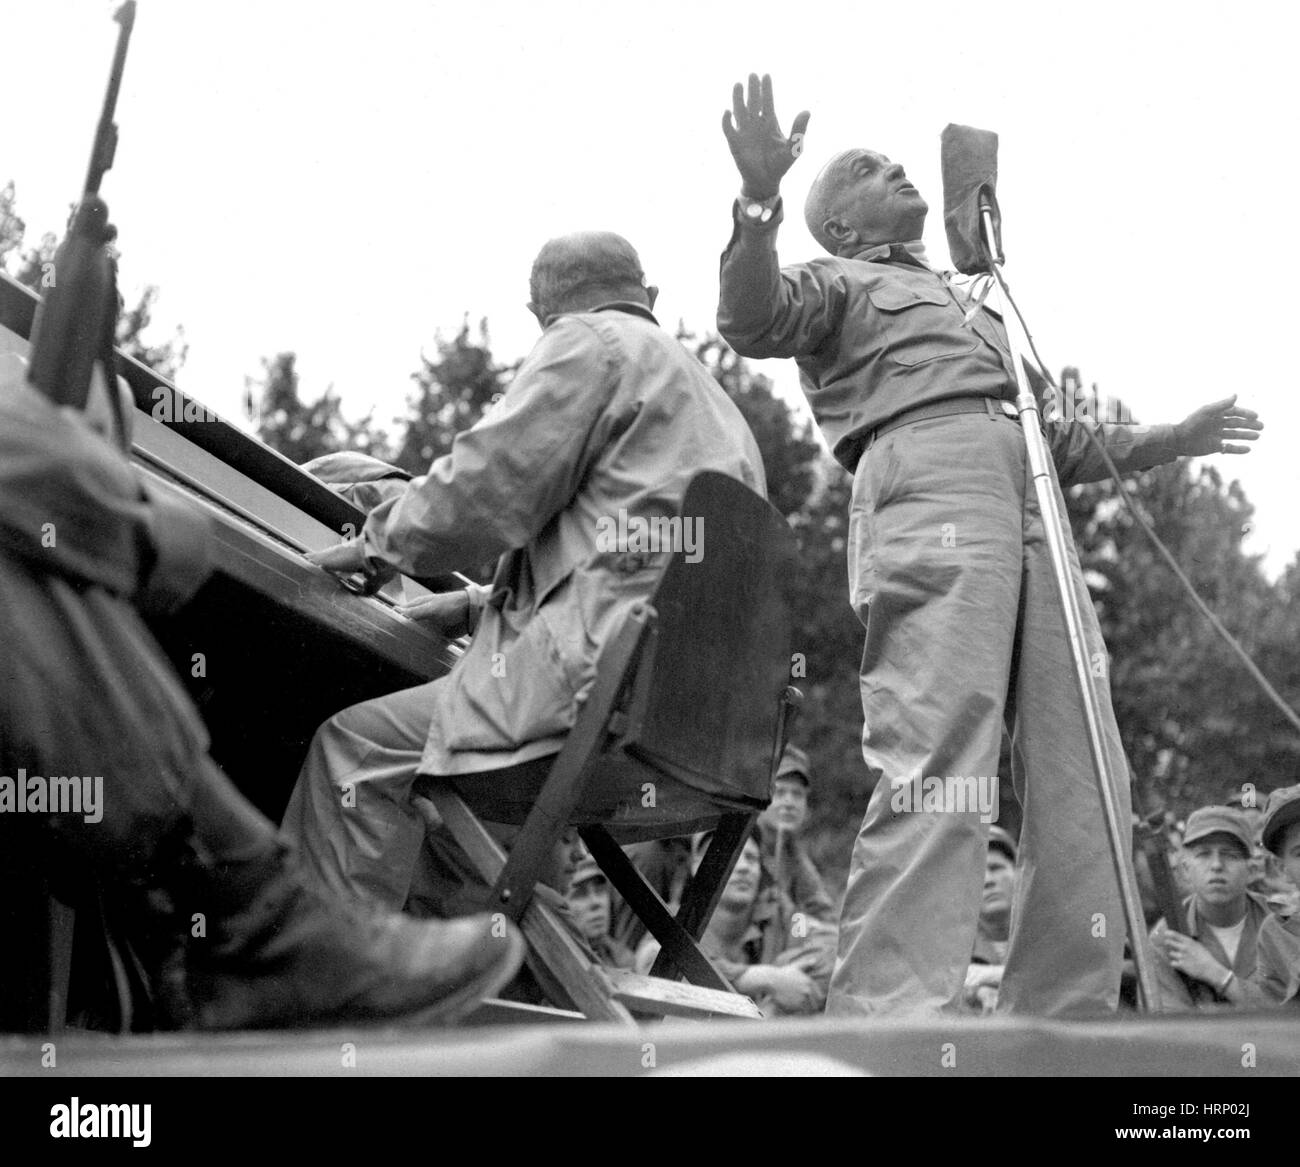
{"x":758,"y":210}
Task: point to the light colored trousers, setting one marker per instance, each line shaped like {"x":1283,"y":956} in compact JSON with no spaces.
{"x":351,"y":816}
{"x":950,"y":574}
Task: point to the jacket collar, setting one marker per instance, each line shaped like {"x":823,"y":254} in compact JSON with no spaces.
{"x":912,"y":253}
{"x":1256,"y":908}
{"x":629,"y":306}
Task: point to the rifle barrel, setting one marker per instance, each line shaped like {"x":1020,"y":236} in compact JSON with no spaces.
{"x":101,"y":156}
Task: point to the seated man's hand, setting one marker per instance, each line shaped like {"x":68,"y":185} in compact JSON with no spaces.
{"x":348,"y":561}
{"x":1218,"y":428}
{"x":342,"y":557}
{"x":448,"y":612}
{"x":763,"y":154}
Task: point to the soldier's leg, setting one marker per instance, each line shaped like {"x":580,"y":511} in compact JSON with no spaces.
{"x":350,"y":814}
{"x":935,"y":559}
{"x":1067,"y":934}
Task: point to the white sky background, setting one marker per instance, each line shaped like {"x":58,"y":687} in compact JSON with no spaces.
{"x":343,"y":179}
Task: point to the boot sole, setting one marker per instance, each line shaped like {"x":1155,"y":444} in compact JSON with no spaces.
{"x":444,"y":1011}
{"x":469,"y":996}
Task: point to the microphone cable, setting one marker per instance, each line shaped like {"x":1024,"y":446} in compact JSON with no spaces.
{"x":1231,"y":641}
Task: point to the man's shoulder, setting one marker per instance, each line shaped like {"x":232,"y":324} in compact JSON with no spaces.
{"x":825,"y":268}
{"x":1281,"y":925}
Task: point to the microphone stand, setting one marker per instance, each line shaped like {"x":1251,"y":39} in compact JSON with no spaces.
{"x":1119,"y":833}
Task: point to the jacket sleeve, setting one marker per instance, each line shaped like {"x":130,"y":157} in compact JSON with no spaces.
{"x":764,"y":311}
{"x":75,"y":506}
{"x":810,"y":894}
{"x":1273,"y":974}
{"x":508,"y":475}
{"x":1131,"y":447}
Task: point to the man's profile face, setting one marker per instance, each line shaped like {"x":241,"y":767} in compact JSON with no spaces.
{"x":788,"y":810}
{"x":999,"y":884}
{"x":877,"y":201}
{"x":1218,"y":869}
{"x":1290,"y":854}
{"x":742,"y":887}
{"x":589,"y":903}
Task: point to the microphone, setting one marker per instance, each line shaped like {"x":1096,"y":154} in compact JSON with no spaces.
{"x":970,"y":175}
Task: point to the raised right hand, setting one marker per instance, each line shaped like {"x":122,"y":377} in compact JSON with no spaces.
{"x":763,"y":154}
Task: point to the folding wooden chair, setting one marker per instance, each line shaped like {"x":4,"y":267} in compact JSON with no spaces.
{"x":681,"y":732}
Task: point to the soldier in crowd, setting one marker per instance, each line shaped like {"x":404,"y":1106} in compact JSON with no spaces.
{"x":785,"y":855}
{"x":1277,"y":972}
{"x":993,"y":934}
{"x":589,"y":900}
{"x":759,"y":942}
{"x":1266,"y":877}
{"x":1214,"y":945}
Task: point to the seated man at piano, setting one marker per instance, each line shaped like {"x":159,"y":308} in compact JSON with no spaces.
{"x":606,"y":422}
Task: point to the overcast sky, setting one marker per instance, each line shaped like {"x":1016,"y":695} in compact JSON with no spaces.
{"x":344,"y":180}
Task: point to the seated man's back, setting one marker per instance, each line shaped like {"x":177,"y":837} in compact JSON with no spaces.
{"x":571,"y":478}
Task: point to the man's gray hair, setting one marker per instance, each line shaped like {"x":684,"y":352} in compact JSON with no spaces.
{"x":582,"y":263}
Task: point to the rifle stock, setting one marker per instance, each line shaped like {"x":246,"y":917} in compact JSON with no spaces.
{"x":77,"y":319}
{"x":1151,"y":838}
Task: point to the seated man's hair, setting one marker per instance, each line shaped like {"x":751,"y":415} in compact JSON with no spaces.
{"x":583,"y":263}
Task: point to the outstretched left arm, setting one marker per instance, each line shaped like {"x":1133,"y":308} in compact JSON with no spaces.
{"x":1221,"y":427}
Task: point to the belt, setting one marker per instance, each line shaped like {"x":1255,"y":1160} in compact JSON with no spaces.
{"x":993,"y":406}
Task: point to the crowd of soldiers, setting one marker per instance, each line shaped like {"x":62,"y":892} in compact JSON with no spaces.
{"x":1235,"y":945}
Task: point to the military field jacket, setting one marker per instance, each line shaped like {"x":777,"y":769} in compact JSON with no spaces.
{"x":877,"y":333}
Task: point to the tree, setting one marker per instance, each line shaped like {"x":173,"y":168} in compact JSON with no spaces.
{"x":36,"y":267}
{"x":1193,"y":722}
{"x":303,"y":430}
{"x":12,"y":228}
{"x":791,"y":453}
{"x":451,"y":394}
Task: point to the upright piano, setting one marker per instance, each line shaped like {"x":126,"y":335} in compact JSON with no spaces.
{"x":271,"y":645}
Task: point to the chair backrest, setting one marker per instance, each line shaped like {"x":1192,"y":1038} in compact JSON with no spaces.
{"x":707,"y":694}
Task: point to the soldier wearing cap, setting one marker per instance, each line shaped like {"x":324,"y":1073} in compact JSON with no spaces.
{"x":1277,"y":971}
{"x":589,"y":901}
{"x":785,"y":857}
{"x":1216,"y":941}
{"x":993,"y":934}
{"x":784,"y":963}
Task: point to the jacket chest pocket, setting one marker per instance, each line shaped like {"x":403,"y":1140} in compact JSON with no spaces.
{"x":919,"y":325}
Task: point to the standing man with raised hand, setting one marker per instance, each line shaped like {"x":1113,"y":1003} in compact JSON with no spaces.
{"x":949,"y":573}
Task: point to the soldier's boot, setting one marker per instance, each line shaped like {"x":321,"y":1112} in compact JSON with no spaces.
{"x":279,"y":952}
